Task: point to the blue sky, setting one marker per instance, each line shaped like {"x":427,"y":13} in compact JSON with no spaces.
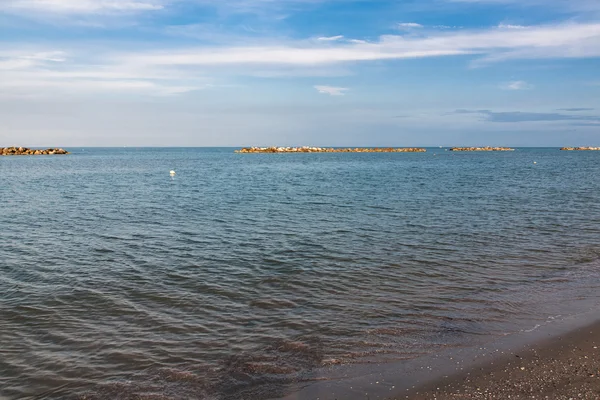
{"x":299,"y":72}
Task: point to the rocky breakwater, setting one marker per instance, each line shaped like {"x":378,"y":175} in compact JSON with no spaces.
{"x":481,"y":149}
{"x":580,"y":148}
{"x":25,"y":151}
{"x":307,"y":149}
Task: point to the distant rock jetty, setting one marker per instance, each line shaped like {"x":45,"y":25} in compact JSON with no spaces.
{"x":307,"y":149}
{"x":481,"y":149}
{"x":581,"y":148}
{"x":25,"y":151}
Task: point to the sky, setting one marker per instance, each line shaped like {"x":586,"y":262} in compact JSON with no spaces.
{"x":299,"y":72}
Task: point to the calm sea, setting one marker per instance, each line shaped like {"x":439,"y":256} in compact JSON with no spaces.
{"x":244,"y":273}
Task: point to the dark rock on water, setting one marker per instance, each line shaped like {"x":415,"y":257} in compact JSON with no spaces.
{"x":580,"y":148}
{"x":308,"y":149}
{"x":25,"y":151}
{"x":487,"y":148}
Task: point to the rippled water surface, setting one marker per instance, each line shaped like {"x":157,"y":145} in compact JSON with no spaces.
{"x":247,"y":272}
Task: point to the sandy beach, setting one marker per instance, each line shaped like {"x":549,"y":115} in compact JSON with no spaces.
{"x":558,"y":360}
{"x":564,"y":367}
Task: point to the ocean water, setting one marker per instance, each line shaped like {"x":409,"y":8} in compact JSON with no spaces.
{"x":245,"y":273}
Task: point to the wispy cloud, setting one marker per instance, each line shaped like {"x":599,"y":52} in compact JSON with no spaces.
{"x":52,"y":72}
{"x":330,"y":38}
{"x":409,"y":25}
{"x":517,"y":85}
{"x":563,"y":5}
{"x":518,"y":116}
{"x":17,"y":61}
{"x":81,"y":6}
{"x":511,"y":26}
{"x":550,"y":41}
{"x":179,"y":67}
{"x":332,"y":90}
{"x":575,"y":109}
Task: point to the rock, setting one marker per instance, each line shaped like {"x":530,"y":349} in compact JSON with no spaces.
{"x":487,"y":148}
{"x":307,"y":149}
{"x":580,"y":148}
{"x":25,"y":151}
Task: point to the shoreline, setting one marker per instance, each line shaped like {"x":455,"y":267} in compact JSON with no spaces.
{"x":562,"y":367}
{"x":556,"y":361}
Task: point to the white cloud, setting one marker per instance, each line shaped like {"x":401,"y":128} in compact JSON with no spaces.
{"x":17,"y":61}
{"x":517,"y":85}
{"x":287,"y":55}
{"x":549,"y":41}
{"x":189,"y":67}
{"x":50,"y":72}
{"x":81,"y":6}
{"x":55,"y":56}
{"x":274,"y":9}
{"x":510,"y":26}
{"x":409,"y":25}
{"x":556,"y":5}
{"x":332,"y":90}
{"x":77,"y":86}
{"x":330,"y":38}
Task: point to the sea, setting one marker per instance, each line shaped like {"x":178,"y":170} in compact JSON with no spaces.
{"x":243,"y":274}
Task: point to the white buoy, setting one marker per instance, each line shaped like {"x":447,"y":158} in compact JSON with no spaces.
{"x":172,"y":173}
{"x":535,"y":162}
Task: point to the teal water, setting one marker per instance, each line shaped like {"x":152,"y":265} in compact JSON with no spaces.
{"x":246,"y":272}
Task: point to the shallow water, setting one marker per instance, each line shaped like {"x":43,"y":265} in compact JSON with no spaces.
{"x":246,"y":272}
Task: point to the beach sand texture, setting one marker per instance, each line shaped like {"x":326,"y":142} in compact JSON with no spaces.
{"x":565,"y":367}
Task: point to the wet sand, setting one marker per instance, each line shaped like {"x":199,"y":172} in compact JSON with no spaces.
{"x":556,"y":360}
{"x":564,"y":367}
